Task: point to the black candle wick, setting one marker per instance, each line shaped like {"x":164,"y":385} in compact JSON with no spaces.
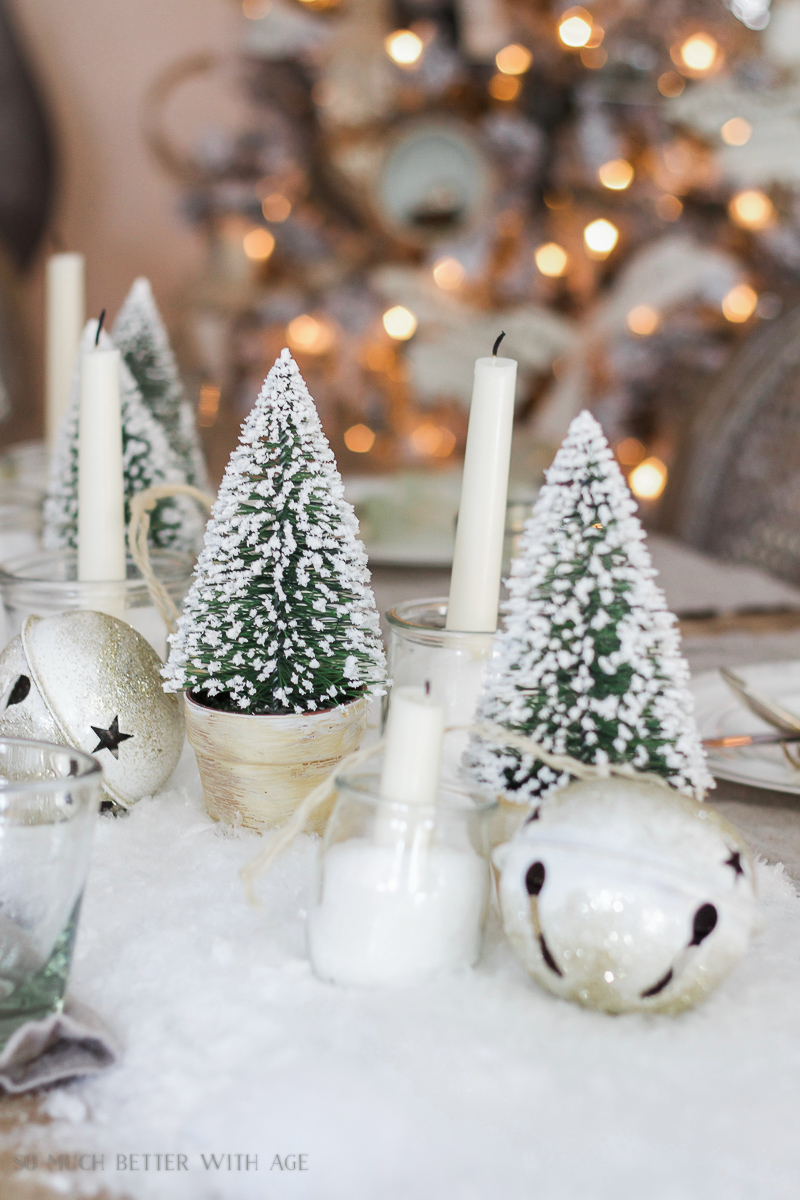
{"x":496,"y":346}
{"x":99,"y":327}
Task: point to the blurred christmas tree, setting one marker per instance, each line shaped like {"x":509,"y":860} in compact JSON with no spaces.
{"x":604,"y":183}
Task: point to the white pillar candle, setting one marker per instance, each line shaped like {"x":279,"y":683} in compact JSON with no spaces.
{"x":413,"y":753}
{"x":475,"y":580}
{"x":66,"y":305}
{"x":101,"y":503}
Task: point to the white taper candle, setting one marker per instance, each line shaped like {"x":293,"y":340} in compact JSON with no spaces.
{"x":413,"y":753}
{"x":66,"y":305}
{"x":478,"y":556}
{"x":101,"y":503}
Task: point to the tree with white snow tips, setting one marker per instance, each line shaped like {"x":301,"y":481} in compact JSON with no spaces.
{"x":147,"y":460}
{"x":140,"y":336}
{"x":588,"y":660}
{"x":281,"y":617}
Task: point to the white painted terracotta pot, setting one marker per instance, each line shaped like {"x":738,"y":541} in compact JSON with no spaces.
{"x":262,"y":766}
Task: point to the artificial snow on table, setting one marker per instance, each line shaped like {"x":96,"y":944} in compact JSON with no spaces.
{"x":478,"y":1086}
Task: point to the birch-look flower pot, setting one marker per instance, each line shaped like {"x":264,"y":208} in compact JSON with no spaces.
{"x":261,"y":767}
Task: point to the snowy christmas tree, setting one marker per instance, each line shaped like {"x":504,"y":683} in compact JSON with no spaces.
{"x":589,"y":660}
{"x":147,"y":460}
{"x":140,"y":336}
{"x":281,"y":617}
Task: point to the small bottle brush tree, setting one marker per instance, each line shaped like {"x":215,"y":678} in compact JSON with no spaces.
{"x":589,"y":660}
{"x":147,"y":460}
{"x":141,"y":338}
{"x":281,"y":617}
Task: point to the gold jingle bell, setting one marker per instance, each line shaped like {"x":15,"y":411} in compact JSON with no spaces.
{"x":89,"y":680}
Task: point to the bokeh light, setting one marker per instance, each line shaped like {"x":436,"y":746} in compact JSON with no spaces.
{"x":668,"y":208}
{"x":359,"y":439}
{"x":600,"y":237}
{"x":670,"y":84}
{"x":514,"y":59}
{"x":258,"y":244}
{"x":630,"y":451}
{"x":752,"y":209}
{"x":648,"y":480}
{"x":643,"y":320}
{"x":736,"y":132}
{"x":311,"y":335}
{"x":448,"y":273}
{"x":400,"y":323}
{"x":404,"y":47}
{"x":551,"y":259}
{"x":616,"y":174}
{"x":575,"y":28}
{"x":699,"y":53}
{"x":504,"y":87}
{"x":594,"y":57}
{"x":276,"y":207}
{"x":740,"y":303}
{"x":430,"y":440}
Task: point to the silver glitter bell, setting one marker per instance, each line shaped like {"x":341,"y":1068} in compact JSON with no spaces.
{"x":625,"y":896}
{"x":88,"y":680}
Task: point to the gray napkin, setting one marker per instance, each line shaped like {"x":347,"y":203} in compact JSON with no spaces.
{"x":58,"y":1047}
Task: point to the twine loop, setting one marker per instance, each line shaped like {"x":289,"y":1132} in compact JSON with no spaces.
{"x":142,"y":504}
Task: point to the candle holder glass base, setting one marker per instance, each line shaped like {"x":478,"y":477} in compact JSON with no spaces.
{"x":450,"y":663}
{"x":47,"y":583}
{"x":401,"y":890}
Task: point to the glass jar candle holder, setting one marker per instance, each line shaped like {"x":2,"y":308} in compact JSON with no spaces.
{"x":20,"y":520}
{"x":49,"y":797}
{"x":47,"y":583}
{"x":450,"y":663}
{"x":401,"y":890}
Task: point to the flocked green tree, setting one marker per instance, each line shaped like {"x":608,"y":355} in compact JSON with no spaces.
{"x":588,"y":661}
{"x":139,"y":334}
{"x":147,"y":460}
{"x":281,"y":617}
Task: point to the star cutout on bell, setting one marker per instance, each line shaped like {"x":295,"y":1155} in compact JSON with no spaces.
{"x":110,"y":738}
{"x":735,"y":862}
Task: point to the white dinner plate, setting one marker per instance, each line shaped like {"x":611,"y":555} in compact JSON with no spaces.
{"x":719,"y":713}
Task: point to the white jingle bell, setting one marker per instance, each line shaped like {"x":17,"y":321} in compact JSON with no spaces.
{"x":88,"y":680}
{"x":625,"y":896}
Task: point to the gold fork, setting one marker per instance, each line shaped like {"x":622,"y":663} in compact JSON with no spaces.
{"x":765,"y":708}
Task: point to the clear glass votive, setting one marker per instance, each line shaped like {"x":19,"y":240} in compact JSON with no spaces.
{"x":20,"y":520}
{"x":49,"y":797}
{"x":47,"y":583}
{"x":401,"y":890}
{"x":453,"y":664}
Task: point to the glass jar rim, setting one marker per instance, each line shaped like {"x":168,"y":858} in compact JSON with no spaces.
{"x":169,"y":566}
{"x":397,"y":619}
{"x":470,"y":801}
{"x":88,"y":767}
